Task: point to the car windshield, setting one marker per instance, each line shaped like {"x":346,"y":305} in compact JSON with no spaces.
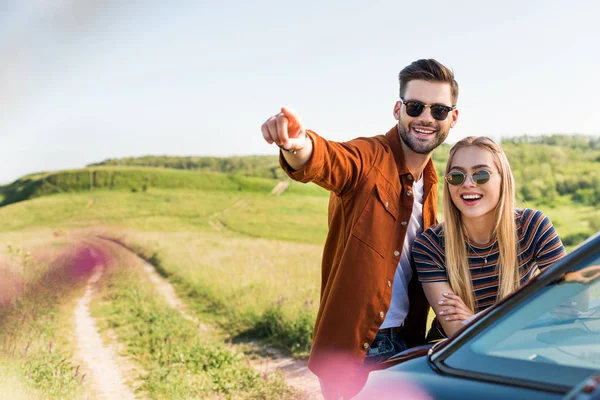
{"x":552,"y":338}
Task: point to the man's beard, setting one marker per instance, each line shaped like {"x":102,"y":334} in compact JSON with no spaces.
{"x":416,"y":145}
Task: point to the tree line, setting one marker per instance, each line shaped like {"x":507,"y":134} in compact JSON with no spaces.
{"x":549,"y":170}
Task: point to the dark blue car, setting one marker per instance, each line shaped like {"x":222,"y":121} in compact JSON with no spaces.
{"x":543,"y":342}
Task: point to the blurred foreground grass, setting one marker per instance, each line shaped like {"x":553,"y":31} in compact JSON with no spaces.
{"x":38,"y":293}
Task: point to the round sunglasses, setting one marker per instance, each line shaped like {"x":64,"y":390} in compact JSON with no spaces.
{"x":414,"y":108}
{"x":456,"y":178}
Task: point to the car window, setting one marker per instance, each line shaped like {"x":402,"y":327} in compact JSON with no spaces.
{"x":553,"y":337}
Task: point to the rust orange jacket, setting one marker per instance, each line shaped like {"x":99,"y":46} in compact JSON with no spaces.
{"x":369,"y":209}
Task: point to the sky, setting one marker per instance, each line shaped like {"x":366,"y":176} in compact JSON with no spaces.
{"x":85,"y":80}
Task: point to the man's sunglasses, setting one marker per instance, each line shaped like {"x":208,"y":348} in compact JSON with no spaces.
{"x":456,"y":178}
{"x":414,"y":108}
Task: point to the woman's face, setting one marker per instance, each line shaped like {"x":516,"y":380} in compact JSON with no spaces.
{"x":475,"y":200}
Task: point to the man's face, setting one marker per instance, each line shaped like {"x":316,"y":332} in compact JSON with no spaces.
{"x":423,"y":133}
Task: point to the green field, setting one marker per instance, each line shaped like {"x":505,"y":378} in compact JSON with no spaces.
{"x":230,"y":274}
{"x":245,"y":261}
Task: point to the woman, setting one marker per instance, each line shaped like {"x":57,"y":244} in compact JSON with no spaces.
{"x":485,"y":249}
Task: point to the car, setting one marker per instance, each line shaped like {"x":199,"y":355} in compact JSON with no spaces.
{"x":540,"y":343}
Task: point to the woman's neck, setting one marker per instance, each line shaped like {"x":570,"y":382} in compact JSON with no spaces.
{"x":479,"y":229}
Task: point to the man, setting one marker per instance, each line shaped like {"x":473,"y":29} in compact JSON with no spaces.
{"x":383,"y":194}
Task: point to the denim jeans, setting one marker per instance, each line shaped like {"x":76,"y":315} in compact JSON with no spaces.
{"x":387,"y":343}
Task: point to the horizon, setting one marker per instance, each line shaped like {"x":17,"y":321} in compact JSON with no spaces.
{"x":91,"y":164}
{"x":84,"y":82}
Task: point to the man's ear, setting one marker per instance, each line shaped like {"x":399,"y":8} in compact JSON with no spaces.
{"x":454,"y":118}
{"x":397,"y":110}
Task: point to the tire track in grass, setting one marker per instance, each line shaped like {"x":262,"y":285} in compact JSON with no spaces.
{"x":295,"y":372}
{"x":280,"y":188}
{"x":215,"y":221}
{"x":168,"y":293}
{"x":99,"y":358}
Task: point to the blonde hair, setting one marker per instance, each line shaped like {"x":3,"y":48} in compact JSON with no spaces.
{"x":505,"y":230}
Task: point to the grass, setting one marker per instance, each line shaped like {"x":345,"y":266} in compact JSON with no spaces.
{"x":137,"y":179}
{"x":249,"y":262}
{"x":570,"y":220}
{"x":251,"y":214}
{"x":242,"y":259}
{"x":156,"y":210}
{"x":197,"y":256}
{"x":37,"y":353}
{"x":248,"y":286}
{"x":13,"y":386}
{"x":179,"y":362}
{"x":289,"y":218}
{"x":246,"y":260}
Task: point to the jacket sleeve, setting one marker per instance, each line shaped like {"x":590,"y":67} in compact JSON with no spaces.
{"x":336,"y":166}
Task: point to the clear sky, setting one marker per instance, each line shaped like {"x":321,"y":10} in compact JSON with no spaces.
{"x":86,"y":80}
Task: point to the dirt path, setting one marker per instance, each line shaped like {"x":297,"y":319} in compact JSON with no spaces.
{"x":295,"y":372}
{"x":215,"y":219}
{"x":167,"y":291}
{"x":280,"y":188}
{"x":100,"y":359}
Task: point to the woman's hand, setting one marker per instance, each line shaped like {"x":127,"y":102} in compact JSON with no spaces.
{"x":450,"y":310}
{"x":453,"y":308}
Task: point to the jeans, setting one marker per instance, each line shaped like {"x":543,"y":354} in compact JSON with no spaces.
{"x":387,"y":343}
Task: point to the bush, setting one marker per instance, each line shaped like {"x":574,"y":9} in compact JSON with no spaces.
{"x":585,"y":196}
{"x":595,"y":223}
{"x":575,"y":238}
{"x":293,"y":333}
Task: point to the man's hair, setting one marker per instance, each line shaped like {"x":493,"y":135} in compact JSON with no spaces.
{"x":428,"y":70}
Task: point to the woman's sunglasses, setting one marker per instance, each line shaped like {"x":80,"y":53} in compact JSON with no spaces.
{"x":456,"y":178}
{"x":414,"y":108}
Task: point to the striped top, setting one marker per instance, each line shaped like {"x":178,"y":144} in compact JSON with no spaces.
{"x":539,"y":246}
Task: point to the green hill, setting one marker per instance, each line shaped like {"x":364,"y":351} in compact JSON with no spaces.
{"x":228,"y":244}
{"x":244,"y":261}
{"x":555,"y":170}
{"x":138,"y":179}
{"x":258,"y":166}
{"x":551,"y":170}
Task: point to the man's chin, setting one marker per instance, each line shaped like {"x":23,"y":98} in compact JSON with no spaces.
{"x":424,"y":151}
{"x":420,"y":147}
